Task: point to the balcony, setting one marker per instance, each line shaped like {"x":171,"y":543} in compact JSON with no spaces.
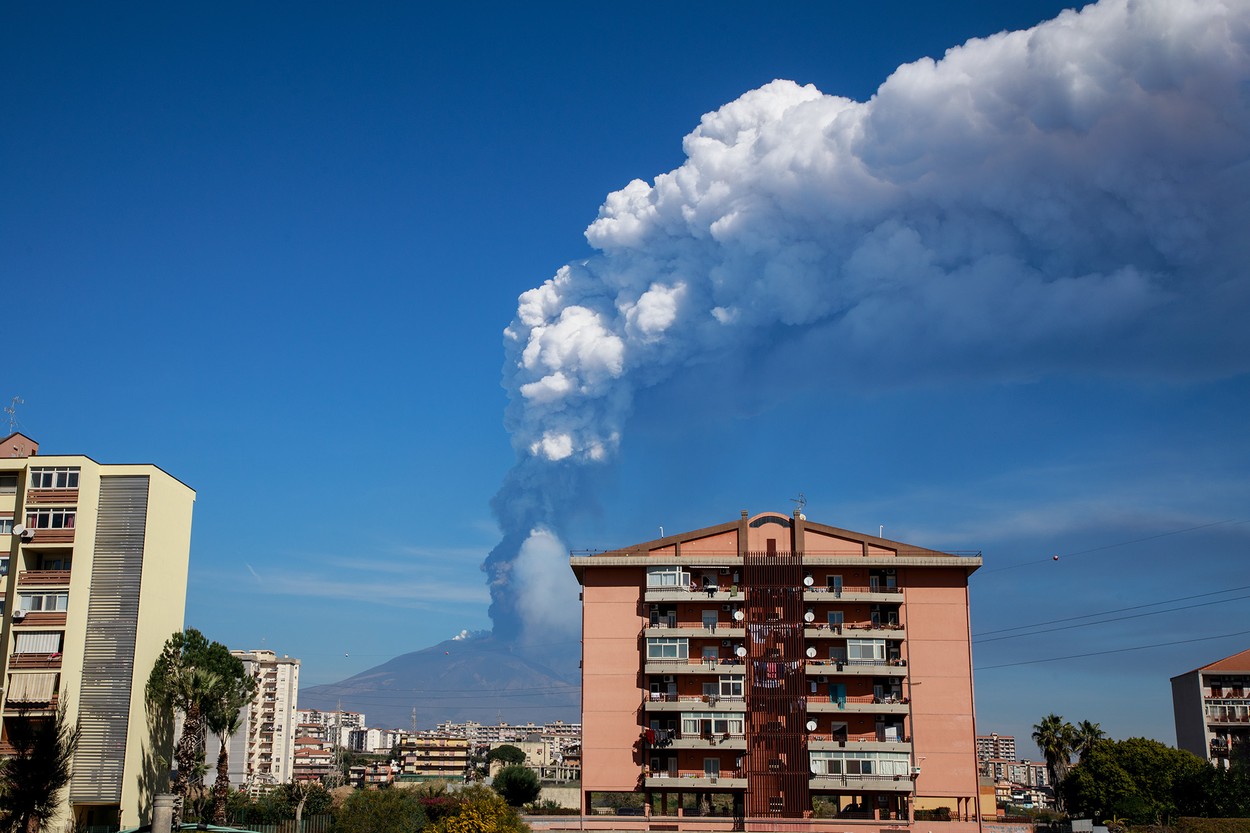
{"x":42,"y":578}
{"x":861,"y":783}
{"x":858,"y":630}
{"x":41,"y":619}
{"x":858,"y":667}
{"x":695,"y":630}
{"x":695,"y":665}
{"x":40,"y":537}
{"x":706,"y":743}
{"x":712,"y":593}
{"x":675,"y":781}
{"x":51,"y":662}
{"x":853,"y":594}
{"x":693,"y":703}
{"x":858,"y":704}
{"x":61,"y":496}
{"x":828,"y":742}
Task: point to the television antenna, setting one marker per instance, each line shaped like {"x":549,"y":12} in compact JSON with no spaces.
{"x":800,"y":501}
{"x":11,"y":410}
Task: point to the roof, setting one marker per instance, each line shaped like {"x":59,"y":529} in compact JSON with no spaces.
{"x":1236,"y":662}
{"x":872,"y":546}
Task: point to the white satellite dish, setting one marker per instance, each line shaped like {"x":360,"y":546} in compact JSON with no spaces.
{"x":811,"y":653}
{"x":741,"y":651}
{"x":811,"y":725}
{"x":809,"y":617}
{"x":808,"y":581}
{"x":739,"y":615}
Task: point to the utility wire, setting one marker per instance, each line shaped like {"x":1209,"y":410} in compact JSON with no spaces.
{"x":1108,"y":621}
{"x":1109,"y":612}
{"x":1113,"y":651}
{"x":1112,"y":546}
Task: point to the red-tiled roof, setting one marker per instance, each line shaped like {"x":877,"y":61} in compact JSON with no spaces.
{"x":1237,"y":662}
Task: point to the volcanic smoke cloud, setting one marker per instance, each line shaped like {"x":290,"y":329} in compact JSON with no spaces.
{"x":1071,"y":197}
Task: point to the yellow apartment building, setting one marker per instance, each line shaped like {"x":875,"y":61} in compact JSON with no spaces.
{"x":95,"y":577}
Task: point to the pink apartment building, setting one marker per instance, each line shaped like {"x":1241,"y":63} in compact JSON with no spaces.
{"x":780,"y":669}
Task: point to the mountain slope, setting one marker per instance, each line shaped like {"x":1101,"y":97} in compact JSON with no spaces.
{"x":481,"y":678}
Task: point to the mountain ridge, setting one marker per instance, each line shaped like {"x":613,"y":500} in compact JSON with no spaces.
{"x":477,"y":678}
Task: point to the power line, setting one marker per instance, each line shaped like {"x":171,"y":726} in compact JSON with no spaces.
{"x":1112,"y":651}
{"x":1108,"y":612}
{"x":1112,"y":546}
{"x":1108,"y":621}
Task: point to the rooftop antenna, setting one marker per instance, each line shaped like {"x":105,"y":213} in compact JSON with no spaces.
{"x":11,"y":410}
{"x":800,"y":503}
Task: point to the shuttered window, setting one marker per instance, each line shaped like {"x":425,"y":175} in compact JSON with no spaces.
{"x":31,"y":688}
{"x":48,"y":642}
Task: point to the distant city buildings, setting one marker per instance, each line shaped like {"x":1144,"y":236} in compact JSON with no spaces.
{"x":94,"y":558}
{"x":1211,"y":707}
{"x":998,"y":746}
{"x":1017,"y":783}
{"x":262,"y":752}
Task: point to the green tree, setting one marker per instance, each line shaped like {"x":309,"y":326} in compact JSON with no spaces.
{"x":507,"y":754}
{"x":381,"y":811}
{"x":1138,"y":780}
{"x":480,"y":810}
{"x":190,"y":676}
{"x":1053,"y":737}
{"x":224,"y":717}
{"x":1084,"y":736}
{"x":517,"y":784}
{"x":32,"y":778}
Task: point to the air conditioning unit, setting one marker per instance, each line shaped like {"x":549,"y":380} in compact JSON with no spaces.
{"x":724,"y":571}
{"x":655,"y":608}
{"x":668,"y":678}
{"x":726,"y":608}
{"x":724,"y":643}
{"x":19,"y":615}
{"x":889,"y":571}
{"x":822,"y":679}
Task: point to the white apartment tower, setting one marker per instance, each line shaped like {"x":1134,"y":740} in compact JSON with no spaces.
{"x":262,"y":752}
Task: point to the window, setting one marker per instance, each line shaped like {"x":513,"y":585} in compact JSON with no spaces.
{"x":825,"y":762}
{"x":836,"y":618}
{"x":670,"y":576}
{"x":711,"y":723}
{"x":6,"y":526}
{"x":8,"y":484}
{"x":59,"y":517}
{"x":865,"y":651}
{"x":43,"y":601}
{"x":663,"y":647}
{"x":731,"y":685}
{"x":63,"y":477}
{"x":711,"y":767}
{"x":47,"y":642}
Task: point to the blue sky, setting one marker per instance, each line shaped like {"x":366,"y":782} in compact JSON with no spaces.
{"x":274,"y":250}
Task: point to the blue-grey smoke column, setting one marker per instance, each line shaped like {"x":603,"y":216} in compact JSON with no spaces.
{"x":1069,"y":198}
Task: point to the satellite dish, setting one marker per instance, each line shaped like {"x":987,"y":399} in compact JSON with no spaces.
{"x":811,"y":725}
{"x":811,"y":653}
{"x":809,"y":617}
{"x":739,"y":615}
{"x":19,"y":530}
{"x":740,"y":651}
{"x":808,"y":581}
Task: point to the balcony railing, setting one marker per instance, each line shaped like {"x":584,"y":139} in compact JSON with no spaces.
{"x":61,"y":496}
{"x":42,"y":577}
{"x":49,"y":661}
{"x":51,"y":536}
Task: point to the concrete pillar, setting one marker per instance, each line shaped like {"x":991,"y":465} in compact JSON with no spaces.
{"x":162,"y":813}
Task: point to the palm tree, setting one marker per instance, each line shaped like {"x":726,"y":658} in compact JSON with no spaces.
{"x":189,"y":677}
{"x":1084,"y":736}
{"x":32,"y":778}
{"x":224,"y":719}
{"x":1054,"y":739}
